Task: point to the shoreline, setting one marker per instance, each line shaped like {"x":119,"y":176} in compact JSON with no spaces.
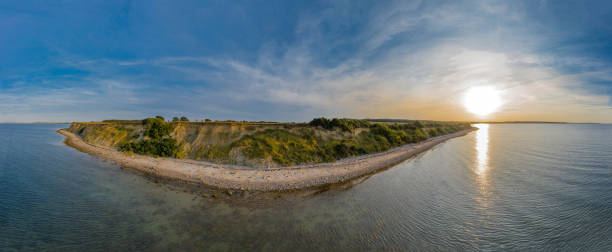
{"x":247,"y":178}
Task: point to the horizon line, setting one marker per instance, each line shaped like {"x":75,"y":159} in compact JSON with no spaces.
{"x":367,"y":119}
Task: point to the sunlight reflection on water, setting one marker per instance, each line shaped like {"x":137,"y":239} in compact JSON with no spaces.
{"x":482,"y":149}
{"x":523,"y":187}
{"x":481,"y":166}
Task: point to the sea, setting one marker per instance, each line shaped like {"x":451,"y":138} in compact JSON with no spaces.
{"x":505,"y":187}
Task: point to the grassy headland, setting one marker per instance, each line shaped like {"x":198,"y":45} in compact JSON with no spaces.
{"x":260,"y":143}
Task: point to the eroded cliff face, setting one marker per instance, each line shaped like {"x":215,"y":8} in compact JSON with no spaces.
{"x":106,"y":134}
{"x":259,"y":144}
{"x":201,"y":141}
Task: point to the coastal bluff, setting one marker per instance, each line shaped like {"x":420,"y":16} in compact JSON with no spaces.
{"x":244,"y":177}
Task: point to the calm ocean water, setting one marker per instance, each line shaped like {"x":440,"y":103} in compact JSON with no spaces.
{"x":505,"y":187}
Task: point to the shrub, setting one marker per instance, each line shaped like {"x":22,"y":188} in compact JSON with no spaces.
{"x":282,"y":146}
{"x":418,"y":124}
{"x":158,"y":143}
{"x":321,"y":122}
{"x":166,"y":147}
{"x":156,"y":128}
{"x":342,"y":123}
{"x":394,"y":137}
{"x":289,"y":146}
{"x":433,"y":132}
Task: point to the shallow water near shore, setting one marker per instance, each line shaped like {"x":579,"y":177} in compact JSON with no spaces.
{"x":506,"y":186}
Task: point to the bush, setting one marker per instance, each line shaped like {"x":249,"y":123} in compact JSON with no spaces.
{"x":156,"y":128}
{"x":321,"y":122}
{"x":281,"y":146}
{"x":166,"y":147}
{"x":394,"y":137}
{"x":342,"y":123}
{"x":418,"y":124}
{"x":158,"y":144}
{"x":291,"y":146}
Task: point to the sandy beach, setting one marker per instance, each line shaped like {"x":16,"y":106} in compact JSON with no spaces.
{"x":248,"y":178}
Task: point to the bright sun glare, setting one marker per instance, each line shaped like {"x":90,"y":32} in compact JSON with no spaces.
{"x":482,"y":100}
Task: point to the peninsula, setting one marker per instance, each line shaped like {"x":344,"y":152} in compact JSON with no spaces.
{"x":261,"y":156}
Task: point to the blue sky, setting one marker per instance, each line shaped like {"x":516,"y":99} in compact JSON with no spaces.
{"x":294,"y":60}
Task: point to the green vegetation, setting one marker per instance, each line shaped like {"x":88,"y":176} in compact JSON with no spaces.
{"x":282,"y":146}
{"x":342,"y":123}
{"x":158,"y":144}
{"x":166,"y":147}
{"x":182,"y":119}
{"x":109,"y":135}
{"x":304,"y":146}
{"x":156,"y":128}
{"x":122,"y":121}
{"x":261,"y":143}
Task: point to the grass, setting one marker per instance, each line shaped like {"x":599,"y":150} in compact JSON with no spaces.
{"x":322,"y":140}
{"x":108,"y":134}
{"x":293,"y":148}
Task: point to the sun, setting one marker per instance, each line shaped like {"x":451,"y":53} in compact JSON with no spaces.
{"x":482,"y":100}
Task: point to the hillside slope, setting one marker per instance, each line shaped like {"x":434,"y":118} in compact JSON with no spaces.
{"x":259,"y":144}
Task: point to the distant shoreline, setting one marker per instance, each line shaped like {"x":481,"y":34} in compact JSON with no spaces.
{"x":35,"y":123}
{"x":370,"y":120}
{"x":248,"y":178}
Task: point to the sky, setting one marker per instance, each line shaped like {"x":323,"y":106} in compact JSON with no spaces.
{"x":296,"y":60}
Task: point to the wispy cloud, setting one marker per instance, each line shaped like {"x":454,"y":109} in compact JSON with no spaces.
{"x":406,"y":60}
{"x":420,"y":80}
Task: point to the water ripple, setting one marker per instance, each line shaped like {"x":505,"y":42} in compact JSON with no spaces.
{"x":509,"y":187}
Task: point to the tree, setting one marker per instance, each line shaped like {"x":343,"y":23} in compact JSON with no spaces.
{"x":175,"y":119}
{"x":156,"y":128}
{"x":184,"y":119}
{"x":160,"y":117}
{"x":322,"y":122}
{"x":207,"y":120}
